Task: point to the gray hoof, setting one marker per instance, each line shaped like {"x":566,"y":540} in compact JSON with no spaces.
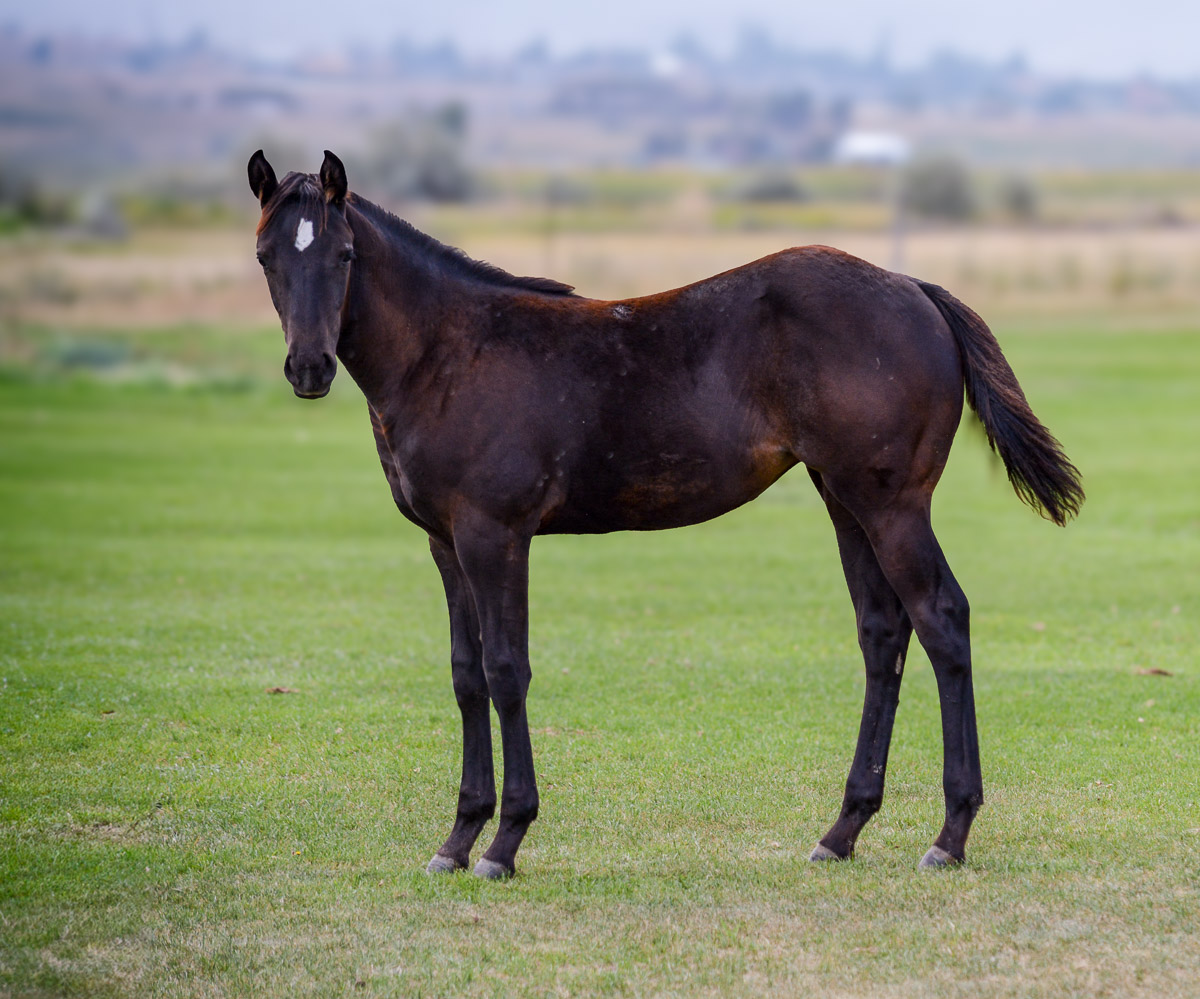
{"x":491,"y":870}
{"x":442,"y":865}
{"x":822,"y":852}
{"x":937,"y":857}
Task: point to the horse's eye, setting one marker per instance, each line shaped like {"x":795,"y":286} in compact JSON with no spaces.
{"x":263,"y":259}
{"x":347,"y":255}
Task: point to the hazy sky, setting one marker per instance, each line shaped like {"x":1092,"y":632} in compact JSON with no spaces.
{"x":1100,"y":38}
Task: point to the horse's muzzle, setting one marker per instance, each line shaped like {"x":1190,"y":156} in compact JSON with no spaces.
{"x":310,"y":380}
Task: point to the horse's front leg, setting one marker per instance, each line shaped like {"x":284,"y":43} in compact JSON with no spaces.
{"x":477,"y":792}
{"x":495,"y":560}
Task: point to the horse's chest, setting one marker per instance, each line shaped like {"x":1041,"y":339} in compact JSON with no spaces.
{"x":406,"y":494}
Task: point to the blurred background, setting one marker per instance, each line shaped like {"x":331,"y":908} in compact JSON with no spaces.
{"x":227,"y":729}
{"x":1039,"y":163}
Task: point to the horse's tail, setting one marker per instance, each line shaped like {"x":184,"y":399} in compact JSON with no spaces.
{"x":1037,"y":467}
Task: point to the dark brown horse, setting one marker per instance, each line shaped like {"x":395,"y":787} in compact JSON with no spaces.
{"x":505,"y":407}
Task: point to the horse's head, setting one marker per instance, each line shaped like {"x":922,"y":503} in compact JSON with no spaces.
{"x":305,"y":247}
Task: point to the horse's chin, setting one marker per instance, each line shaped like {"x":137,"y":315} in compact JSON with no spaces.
{"x":317,"y":394}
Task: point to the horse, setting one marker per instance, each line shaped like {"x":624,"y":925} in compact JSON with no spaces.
{"x":506,"y":407}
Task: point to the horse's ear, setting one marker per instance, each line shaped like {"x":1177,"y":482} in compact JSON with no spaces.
{"x":333,"y":179}
{"x":262,"y":177}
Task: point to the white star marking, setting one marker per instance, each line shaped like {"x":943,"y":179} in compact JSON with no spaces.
{"x":304,"y":235}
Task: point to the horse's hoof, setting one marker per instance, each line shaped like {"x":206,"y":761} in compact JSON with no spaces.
{"x":822,"y":852}
{"x":937,"y":857}
{"x":492,"y":871}
{"x":442,"y":865}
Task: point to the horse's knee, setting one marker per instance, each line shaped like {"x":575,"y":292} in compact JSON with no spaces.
{"x":507,"y":685}
{"x":470,"y":685}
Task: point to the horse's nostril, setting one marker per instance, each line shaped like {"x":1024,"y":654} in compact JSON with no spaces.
{"x":310,"y":375}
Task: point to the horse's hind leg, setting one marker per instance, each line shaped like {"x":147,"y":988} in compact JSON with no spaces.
{"x":912,"y":561}
{"x":883,"y":635}
{"x":477,"y":792}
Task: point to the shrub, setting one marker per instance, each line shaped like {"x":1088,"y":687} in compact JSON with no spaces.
{"x":939,"y":188}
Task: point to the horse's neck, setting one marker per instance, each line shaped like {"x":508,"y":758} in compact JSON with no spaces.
{"x":394,"y":315}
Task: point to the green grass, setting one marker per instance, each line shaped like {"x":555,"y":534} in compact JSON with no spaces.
{"x":169,"y":828}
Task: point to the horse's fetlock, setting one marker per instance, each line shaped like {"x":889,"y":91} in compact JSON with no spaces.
{"x":863,"y":804}
{"x":520,"y":815}
{"x":519,"y":806}
{"x":963,"y":805}
{"x":476,"y":806}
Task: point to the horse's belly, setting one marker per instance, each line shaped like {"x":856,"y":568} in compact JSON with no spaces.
{"x":668,"y":490}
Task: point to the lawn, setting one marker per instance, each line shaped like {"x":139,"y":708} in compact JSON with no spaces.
{"x":171,"y":827}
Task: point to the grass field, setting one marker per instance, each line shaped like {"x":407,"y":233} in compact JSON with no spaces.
{"x":169,"y":828}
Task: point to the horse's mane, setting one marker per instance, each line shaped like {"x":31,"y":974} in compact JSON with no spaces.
{"x":453,"y":257}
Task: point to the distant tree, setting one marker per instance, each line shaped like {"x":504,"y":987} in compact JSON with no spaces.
{"x":441,"y":173}
{"x":23,"y":201}
{"x":451,"y":118}
{"x":389,"y":165}
{"x":1018,"y":198}
{"x":422,"y":156}
{"x":770,"y":185}
{"x":939,"y":188}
